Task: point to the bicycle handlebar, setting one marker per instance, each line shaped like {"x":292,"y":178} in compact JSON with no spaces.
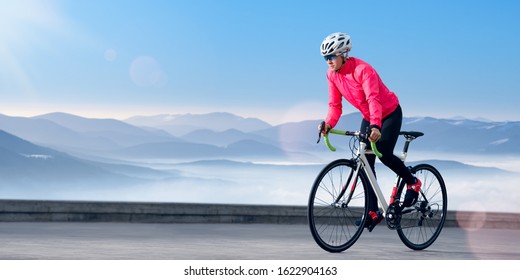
{"x":348,"y":133}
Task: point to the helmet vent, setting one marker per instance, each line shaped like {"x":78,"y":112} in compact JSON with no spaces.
{"x":336,"y":43}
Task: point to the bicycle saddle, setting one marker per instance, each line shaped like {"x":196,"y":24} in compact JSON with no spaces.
{"x":411,"y":134}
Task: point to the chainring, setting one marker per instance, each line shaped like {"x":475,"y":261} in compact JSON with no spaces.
{"x":393,"y":215}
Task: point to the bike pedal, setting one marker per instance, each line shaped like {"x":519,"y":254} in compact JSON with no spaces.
{"x":375,"y":222}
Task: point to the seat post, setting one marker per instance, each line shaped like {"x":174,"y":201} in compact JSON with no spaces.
{"x":409,"y":136}
{"x":406,"y":145}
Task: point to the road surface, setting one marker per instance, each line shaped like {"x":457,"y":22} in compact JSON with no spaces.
{"x":141,"y":241}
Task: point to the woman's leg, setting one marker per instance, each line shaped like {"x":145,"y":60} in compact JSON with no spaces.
{"x":372,"y":198}
{"x":389,"y":135}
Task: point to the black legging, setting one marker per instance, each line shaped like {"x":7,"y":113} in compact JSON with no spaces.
{"x":390,"y":129}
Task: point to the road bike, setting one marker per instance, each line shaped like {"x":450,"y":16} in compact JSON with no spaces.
{"x":337,"y":207}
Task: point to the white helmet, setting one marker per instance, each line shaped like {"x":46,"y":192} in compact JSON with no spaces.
{"x":336,"y":43}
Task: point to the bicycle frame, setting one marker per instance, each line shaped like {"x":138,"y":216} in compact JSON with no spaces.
{"x":362,"y":162}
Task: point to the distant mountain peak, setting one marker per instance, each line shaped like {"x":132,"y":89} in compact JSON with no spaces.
{"x":181,"y":124}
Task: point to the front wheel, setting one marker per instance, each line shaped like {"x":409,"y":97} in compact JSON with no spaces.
{"x":422,"y":223}
{"x":337,"y":200}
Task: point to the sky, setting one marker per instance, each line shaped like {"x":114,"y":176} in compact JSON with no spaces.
{"x":258,"y":58}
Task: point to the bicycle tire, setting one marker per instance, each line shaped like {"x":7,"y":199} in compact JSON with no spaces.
{"x":422,"y":223}
{"x":331,"y":212}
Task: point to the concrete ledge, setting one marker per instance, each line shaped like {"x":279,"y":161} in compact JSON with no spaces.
{"x":142,"y":212}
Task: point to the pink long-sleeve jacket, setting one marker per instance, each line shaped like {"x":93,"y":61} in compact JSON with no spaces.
{"x":360,"y":84}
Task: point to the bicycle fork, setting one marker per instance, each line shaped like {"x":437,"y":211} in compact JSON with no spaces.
{"x":353,"y":174}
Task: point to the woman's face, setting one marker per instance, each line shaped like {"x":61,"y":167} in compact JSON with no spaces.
{"x":334,"y":62}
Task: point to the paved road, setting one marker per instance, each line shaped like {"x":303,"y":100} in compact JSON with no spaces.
{"x":127,"y":241}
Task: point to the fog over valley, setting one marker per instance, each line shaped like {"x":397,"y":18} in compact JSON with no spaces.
{"x":224,"y":158}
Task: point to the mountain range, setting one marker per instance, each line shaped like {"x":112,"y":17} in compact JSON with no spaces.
{"x":59,"y":148}
{"x":22,"y":161}
{"x":222,"y":134}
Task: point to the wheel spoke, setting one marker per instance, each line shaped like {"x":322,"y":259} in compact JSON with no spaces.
{"x":331,"y":216}
{"x":421,"y":225}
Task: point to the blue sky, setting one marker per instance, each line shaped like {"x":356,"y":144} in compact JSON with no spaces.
{"x":117,"y":59}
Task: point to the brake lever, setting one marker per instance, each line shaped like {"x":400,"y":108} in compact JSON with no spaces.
{"x":320,"y":129}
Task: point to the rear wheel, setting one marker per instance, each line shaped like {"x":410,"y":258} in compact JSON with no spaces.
{"x":421,"y":224}
{"x":337,"y":200}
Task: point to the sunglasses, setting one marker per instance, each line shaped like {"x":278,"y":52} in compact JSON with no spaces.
{"x":330,"y":57}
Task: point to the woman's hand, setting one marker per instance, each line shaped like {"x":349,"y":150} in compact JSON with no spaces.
{"x":375,"y":134}
{"x":324,"y":128}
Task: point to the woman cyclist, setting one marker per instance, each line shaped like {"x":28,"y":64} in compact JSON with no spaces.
{"x":358,"y":82}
